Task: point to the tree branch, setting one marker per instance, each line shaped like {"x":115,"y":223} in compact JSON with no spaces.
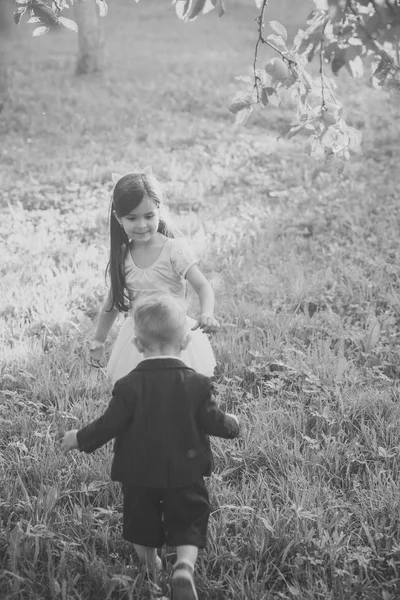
{"x":260,"y":40}
{"x":321,"y":67}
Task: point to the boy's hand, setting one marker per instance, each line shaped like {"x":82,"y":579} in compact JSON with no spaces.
{"x":70,"y":441}
{"x":207,"y":323}
{"x":233,"y":417}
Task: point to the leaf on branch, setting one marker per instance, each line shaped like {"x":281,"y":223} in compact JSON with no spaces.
{"x":262,"y":77}
{"x":244,"y":78}
{"x":381,"y":71}
{"x":339,"y":141}
{"x":34,"y":20}
{"x":68,"y":24}
{"x":279,"y":29}
{"x":339,"y":60}
{"x":183,"y":8}
{"x":305,"y":129}
{"x":321,"y":4}
{"x":306,"y":81}
{"x":334,"y":140}
{"x":264,"y":97}
{"x":330,"y":114}
{"x":273,"y":97}
{"x":243,"y":115}
{"x":316,"y":149}
{"x":221,"y":7}
{"x":278,"y":41}
{"x":240,"y":102}
{"x":59,"y":5}
{"x":277,"y":69}
{"x":306,"y":42}
{"x":103,"y":8}
{"x":337,"y":10}
{"x":355,"y":67}
{"x":45,"y":14}
{"x":40,"y":31}
{"x":189,"y":10}
{"x":18,"y":14}
{"x":355,"y":139}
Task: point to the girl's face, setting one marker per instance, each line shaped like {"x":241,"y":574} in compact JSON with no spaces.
{"x":141,"y":224}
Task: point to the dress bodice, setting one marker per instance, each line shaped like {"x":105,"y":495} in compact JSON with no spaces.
{"x":165,"y":275}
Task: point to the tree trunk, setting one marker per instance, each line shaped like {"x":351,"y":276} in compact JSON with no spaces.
{"x":6,"y":9}
{"x":3,"y":86}
{"x":90,"y":37}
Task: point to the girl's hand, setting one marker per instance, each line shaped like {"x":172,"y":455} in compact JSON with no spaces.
{"x":207,"y":323}
{"x":70,"y":441}
{"x":96,"y":351}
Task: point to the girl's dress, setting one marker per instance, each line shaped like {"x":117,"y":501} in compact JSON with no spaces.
{"x":165,"y":275}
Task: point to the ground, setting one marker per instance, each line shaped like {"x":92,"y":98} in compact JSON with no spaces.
{"x":304,"y":264}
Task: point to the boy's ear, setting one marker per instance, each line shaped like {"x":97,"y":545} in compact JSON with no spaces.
{"x":148,"y":170}
{"x":186,"y":341}
{"x":136,"y":342}
{"x":115,"y":177}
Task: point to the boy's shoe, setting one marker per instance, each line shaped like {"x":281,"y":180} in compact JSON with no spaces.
{"x":183,"y":587}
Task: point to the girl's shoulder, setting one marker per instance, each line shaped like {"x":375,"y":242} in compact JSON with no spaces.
{"x":181,"y":255}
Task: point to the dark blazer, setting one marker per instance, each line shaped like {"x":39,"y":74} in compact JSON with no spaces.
{"x":160,"y":415}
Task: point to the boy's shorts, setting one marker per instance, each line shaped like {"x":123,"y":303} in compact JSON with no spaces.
{"x":176,"y":517}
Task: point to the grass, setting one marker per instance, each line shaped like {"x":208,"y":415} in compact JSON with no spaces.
{"x":304,"y":264}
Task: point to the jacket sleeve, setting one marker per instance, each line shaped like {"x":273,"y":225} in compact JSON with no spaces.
{"x":213,"y":421}
{"x":112,"y":422}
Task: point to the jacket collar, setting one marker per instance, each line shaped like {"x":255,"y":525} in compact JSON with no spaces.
{"x":161,"y":363}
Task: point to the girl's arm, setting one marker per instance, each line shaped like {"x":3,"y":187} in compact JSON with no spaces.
{"x":206,"y":320}
{"x":106,"y":319}
{"x":104,"y":324}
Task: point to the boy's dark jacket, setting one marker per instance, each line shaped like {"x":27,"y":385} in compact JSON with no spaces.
{"x":161,"y":415}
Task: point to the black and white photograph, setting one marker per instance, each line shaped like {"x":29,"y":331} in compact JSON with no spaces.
{"x":199,"y":299}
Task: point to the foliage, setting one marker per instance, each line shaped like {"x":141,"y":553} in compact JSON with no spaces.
{"x":343,"y":33}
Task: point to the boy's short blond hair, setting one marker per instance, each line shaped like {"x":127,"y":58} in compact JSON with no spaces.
{"x":159,"y":320}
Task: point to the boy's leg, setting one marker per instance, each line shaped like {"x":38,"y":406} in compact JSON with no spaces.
{"x":186,"y":513}
{"x":149,"y":557}
{"x":187,"y":554}
{"x":182,"y":579}
{"x":183,"y":586}
{"x":142,"y":525}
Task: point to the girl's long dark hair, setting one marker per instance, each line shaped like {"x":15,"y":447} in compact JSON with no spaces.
{"x":127,"y":195}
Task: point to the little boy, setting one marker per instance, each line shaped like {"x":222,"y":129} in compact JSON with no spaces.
{"x":160,"y":415}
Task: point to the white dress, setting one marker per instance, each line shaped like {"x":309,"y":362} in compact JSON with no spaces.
{"x":165,"y":275}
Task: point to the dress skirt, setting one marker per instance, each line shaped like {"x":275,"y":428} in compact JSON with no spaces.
{"x":125,"y":356}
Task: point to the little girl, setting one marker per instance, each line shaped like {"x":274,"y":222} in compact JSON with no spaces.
{"x":145,"y":258}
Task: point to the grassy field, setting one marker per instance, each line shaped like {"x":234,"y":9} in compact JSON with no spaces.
{"x":305,"y":266}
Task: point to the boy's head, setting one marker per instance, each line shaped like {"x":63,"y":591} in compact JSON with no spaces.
{"x":160,"y":326}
